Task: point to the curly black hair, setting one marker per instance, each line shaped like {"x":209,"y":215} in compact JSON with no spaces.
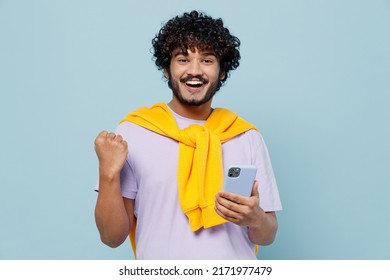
{"x":197,"y":30}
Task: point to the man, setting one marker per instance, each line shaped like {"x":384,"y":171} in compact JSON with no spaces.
{"x":161,"y":172}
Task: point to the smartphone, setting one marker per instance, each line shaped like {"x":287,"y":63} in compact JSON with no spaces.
{"x":239,"y":179}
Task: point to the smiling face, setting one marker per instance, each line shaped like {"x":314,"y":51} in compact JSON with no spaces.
{"x":193,"y":76}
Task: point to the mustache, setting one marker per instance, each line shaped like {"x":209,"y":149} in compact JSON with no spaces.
{"x":191,"y":77}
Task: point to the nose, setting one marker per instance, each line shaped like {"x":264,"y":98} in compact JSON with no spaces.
{"x":194,"y":68}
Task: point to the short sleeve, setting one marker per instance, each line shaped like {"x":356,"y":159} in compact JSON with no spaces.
{"x":128,"y":182}
{"x":268,"y":189}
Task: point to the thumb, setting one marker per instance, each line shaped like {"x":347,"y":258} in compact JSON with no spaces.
{"x":255,"y":190}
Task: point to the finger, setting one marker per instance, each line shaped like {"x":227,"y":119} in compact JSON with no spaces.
{"x":119,"y":138}
{"x":225,"y":213}
{"x":100,"y":138}
{"x":221,"y":214}
{"x":236,"y":198}
{"x":255,"y":189}
{"x":103,"y":133}
{"x":111,"y":135}
{"x":229,"y":205}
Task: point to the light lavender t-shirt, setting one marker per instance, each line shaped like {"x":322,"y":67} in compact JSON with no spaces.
{"x":150,"y":177}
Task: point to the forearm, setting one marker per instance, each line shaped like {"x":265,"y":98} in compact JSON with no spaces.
{"x":264,"y":232}
{"x":110,"y":213}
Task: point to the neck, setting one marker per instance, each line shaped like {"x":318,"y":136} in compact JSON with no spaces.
{"x":201,"y":112}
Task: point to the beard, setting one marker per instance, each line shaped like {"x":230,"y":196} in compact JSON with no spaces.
{"x":211,"y":91}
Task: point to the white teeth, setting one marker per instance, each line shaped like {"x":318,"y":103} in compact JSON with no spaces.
{"x":194,"y":83}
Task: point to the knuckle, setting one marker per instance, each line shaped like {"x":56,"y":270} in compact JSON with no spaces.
{"x":98,"y":141}
{"x":229,"y":204}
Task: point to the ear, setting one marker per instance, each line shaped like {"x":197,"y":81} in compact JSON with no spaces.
{"x":222,"y":76}
{"x":166,"y":73}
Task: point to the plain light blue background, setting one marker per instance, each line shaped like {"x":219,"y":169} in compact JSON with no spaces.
{"x":314,"y":77}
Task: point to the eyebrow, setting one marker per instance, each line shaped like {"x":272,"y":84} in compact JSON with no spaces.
{"x":209,"y":53}
{"x":179,"y":53}
{"x":185,"y":53}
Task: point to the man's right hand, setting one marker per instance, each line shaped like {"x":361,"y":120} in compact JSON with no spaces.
{"x":113,"y":213}
{"x":111,"y":150}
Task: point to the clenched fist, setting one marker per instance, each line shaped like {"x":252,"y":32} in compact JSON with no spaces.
{"x":111,"y":150}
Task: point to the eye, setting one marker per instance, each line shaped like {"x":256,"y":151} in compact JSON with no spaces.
{"x":182,"y":60}
{"x":208,"y":60}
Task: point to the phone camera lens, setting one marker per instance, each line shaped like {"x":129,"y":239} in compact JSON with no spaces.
{"x":234,"y":172}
